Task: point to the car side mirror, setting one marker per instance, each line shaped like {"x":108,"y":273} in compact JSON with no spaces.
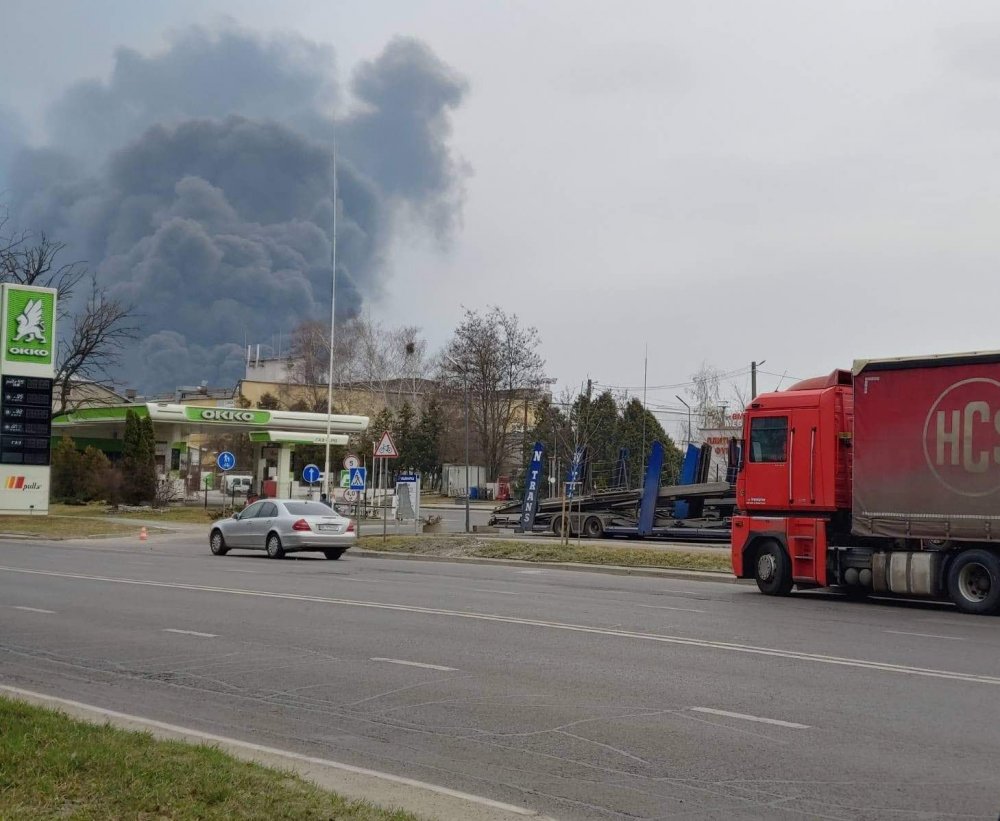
{"x":236,"y":515}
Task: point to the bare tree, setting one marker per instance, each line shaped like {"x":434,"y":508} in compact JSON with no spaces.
{"x":368,"y":356}
{"x":499,"y":360}
{"x":100,"y":332}
{"x":100,"y":327}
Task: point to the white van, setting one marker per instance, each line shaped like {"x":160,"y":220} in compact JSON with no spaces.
{"x":239,"y":485}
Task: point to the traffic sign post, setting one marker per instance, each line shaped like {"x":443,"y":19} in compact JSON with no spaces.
{"x":226,"y":462}
{"x":358,"y":477}
{"x":311,"y":474}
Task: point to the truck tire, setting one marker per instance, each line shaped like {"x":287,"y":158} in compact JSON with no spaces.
{"x":593,"y":528}
{"x":974,"y":582}
{"x":557,"y":525}
{"x":772,"y":569}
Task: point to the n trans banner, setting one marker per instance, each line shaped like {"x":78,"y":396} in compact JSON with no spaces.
{"x":532,"y":489}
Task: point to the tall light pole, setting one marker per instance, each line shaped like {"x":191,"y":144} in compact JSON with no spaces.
{"x":333,"y":316}
{"x":465,"y":382}
{"x":686,"y":405}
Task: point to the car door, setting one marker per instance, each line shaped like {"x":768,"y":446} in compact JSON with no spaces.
{"x":261,"y":524}
{"x":239,"y":532}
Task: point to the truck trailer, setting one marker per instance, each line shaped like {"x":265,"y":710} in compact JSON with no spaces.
{"x":881,"y":480}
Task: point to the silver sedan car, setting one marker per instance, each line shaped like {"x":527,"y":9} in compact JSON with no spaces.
{"x":282,"y":526}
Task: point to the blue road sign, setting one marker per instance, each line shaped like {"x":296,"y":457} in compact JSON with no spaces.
{"x":407,"y":477}
{"x":358,"y":477}
{"x":311,"y":474}
{"x":226,"y":460}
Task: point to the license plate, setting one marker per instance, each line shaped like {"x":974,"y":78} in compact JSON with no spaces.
{"x":330,"y":528}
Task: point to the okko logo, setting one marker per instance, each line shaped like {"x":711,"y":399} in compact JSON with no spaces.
{"x":228,"y":415}
{"x":962,"y":437}
{"x":29,"y":325}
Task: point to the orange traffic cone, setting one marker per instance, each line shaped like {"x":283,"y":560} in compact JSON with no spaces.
{"x":143,"y":535}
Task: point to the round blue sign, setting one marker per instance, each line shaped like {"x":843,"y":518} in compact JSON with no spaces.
{"x":226,"y":460}
{"x":310,"y":474}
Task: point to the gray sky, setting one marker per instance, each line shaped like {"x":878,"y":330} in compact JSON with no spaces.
{"x":801,"y":182}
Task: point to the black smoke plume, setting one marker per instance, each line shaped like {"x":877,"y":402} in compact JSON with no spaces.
{"x":198,"y":184}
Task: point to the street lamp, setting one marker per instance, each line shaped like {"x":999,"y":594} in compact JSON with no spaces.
{"x":465,"y":381}
{"x":686,"y":405}
{"x":333,"y":318}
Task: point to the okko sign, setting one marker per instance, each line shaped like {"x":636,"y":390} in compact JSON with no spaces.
{"x":27,"y":370}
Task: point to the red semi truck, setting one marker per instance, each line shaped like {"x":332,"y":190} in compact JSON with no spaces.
{"x":883,"y":480}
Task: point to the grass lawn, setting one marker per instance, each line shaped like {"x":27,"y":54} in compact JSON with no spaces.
{"x":193,"y":515}
{"x":458,"y":546}
{"x":62,"y":527}
{"x":52,"y":766}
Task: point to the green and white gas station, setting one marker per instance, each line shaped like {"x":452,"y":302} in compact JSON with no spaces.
{"x":273,"y":433}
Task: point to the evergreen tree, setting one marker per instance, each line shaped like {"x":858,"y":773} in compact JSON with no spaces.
{"x":131,"y":446}
{"x":426,"y":448}
{"x":147,"y":473}
{"x":639,"y":438}
{"x":94,"y":469}
{"x":66,"y":471}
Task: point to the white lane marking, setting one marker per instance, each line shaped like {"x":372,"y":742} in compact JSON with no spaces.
{"x":239,"y":570}
{"x":707,"y":644}
{"x":416,"y":664}
{"x":923,"y":635}
{"x":664,"y":607}
{"x":530,"y":572}
{"x":33,"y":609}
{"x":776,"y":721}
{"x":190,"y":633}
{"x":260,"y":748}
{"x":501,"y":592}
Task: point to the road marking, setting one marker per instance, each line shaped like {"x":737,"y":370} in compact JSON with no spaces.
{"x":530,"y":572}
{"x":239,"y":570}
{"x":500,"y":592}
{"x":776,"y":721}
{"x":190,"y":734}
{"x":923,"y":635}
{"x":416,"y":664}
{"x":190,"y":633}
{"x":33,"y":609}
{"x":706,"y":644}
{"x":664,"y":607}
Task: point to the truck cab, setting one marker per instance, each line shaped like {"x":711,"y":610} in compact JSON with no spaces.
{"x":794,"y":484}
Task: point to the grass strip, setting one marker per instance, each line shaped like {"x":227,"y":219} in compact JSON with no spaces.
{"x":534,"y":551}
{"x":52,"y":766}
{"x":62,"y":527}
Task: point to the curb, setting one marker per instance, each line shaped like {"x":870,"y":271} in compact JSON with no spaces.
{"x":607,"y":569}
{"x":355,"y":783}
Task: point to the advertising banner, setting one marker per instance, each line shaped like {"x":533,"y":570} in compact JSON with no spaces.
{"x":532,"y":486}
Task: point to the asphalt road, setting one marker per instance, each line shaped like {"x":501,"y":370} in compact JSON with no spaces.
{"x":580,"y":695}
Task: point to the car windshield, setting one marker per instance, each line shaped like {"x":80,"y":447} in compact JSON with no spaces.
{"x":308,"y":509}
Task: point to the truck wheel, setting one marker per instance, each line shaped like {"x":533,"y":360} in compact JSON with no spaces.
{"x":557,"y":525}
{"x":593,"y":528}
{"x":772,"y":571}
{"x":974,"y":582}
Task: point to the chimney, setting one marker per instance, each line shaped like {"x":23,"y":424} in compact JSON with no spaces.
{"x":130,"y":394}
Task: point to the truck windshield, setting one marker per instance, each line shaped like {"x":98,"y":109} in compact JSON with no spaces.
{"x":768,"y":438}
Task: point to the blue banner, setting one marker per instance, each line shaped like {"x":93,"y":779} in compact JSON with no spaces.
{"x":532,"y":486}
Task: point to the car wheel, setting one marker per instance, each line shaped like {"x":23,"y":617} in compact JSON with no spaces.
{"x":274,"y":548}
{"x":217,"y":544}
{"x":772,"y":571}
{"x":974,"y":582}
{"x":333,"y":555}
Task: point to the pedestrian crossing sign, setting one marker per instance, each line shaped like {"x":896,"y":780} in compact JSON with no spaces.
{"x":358,"y":476}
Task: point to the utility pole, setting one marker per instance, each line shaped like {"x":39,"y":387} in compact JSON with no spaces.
{"x":753,"y":380}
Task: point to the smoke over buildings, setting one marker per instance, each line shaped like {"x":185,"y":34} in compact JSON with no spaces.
{"x":197,"y":183}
